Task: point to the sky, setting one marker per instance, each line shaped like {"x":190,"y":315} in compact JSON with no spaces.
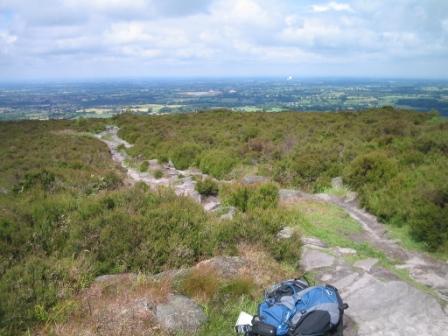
{"x":88,"y":39}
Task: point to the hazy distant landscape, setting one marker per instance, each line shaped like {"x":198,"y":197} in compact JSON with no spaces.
{"x":69,"y":100}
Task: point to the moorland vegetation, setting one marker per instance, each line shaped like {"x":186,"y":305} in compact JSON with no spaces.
{"x":66,"y":215}
{"x":395,"y":159}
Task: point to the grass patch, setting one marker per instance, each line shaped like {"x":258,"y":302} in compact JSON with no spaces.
{"x":158,"y":174}
{"x":339,"y":192}
{"x":144,"y":166}
{"x":221,"y":321}
{"x":325,"y":221}
{"x":403,"y":235}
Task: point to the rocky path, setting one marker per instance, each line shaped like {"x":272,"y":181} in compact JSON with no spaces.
{"x":182,"y":181}
{"x":380,"y":302}
{"x":421,"y":267}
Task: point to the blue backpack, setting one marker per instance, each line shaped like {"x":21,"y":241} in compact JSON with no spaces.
{"x":288,"y":304}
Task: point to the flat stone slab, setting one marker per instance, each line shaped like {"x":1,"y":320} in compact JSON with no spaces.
{"x":393,"y":308}
{"x":254,"y":179}
{"x":313,"y":241}
{"x":366,"y":264}
{"x":211,"y":205}
{"x":313,"y":258}
{"x":346,"y":281}
{"x":345,"y":251}
{"x":285,"y":233}
{"x":180,"y":314}
{"x":336,"y":182}
{"x":429,"y":279}
{"x":224,"y":266}
{"x":289,"y":195}
{"x":230,"y":213}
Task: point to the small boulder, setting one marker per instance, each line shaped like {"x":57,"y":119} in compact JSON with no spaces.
{"x":254,"y":179}
{"x":211,"y":203}
{"x":154,"y":165}
{"x":366,"y":264}
{"x":224,"y":266}
{"x":285,"y":233}
{"x":116,"y":277}
{"x":289,"y":195}
{"x":326,"y":277}
{"x":180,"y":314}
{"x":351,"y":196}
{"x":345,"y":251}
{"x":337,"y":183}
{"x":313,"y":241}
{"x":231,"y":211}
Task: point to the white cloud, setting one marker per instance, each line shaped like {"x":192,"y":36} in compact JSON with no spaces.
{"x":125,"y":33}
{"x":195,"y":35}
{"x":7,"y":38}
{"x":332,"y":6}
{"x":445,"y":25}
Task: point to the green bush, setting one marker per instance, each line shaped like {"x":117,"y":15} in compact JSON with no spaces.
{"x":199,"y":283}
{"x":260,"y":227}
{"x":141,"y":232}
{"x":245,"y":198}
{"x":207,"y":187}
{"x":264,"y":197}
{"x":375,"y":168}
{"x":158,"y":174}
{"x":30,"y":289}
{"x":238,"y":197}
{"x":237,"y":287}
{"x":144,"y":166}
{"x":43,"y":179}
{"x":185,"y":155}
{"x":428,"y":218}
{"x":217,"y":163}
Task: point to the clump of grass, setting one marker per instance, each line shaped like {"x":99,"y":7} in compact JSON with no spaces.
{"x":201,"y":283}
{"x":158,"y":174}
{"x":121,"y":148}
{"x":207,"y":187}
{"x":339,"y":192}
{"x":237,"y":287}
{"x":217,"y":163}
{"x":264,"y":196}
{"x":144,"y":166}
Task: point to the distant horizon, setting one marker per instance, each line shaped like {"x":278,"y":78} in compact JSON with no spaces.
{"x":107,"y":97}
{"x":212,"y":78}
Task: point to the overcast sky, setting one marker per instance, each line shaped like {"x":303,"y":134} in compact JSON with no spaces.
{"x":155,"y":38}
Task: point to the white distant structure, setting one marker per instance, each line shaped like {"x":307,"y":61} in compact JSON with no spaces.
{"x":289,"y":78}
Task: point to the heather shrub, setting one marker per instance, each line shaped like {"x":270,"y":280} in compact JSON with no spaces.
{"x":144,"y":166}
{"x":217,"y":163}
{"x":245,"y":198}
{"x":375,"y":168}
{"x":184,"y":155}
{"x":158,"y":174}
{"x":207,"y":187}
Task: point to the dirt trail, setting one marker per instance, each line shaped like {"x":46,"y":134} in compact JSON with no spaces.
{"x":182,"y":181}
